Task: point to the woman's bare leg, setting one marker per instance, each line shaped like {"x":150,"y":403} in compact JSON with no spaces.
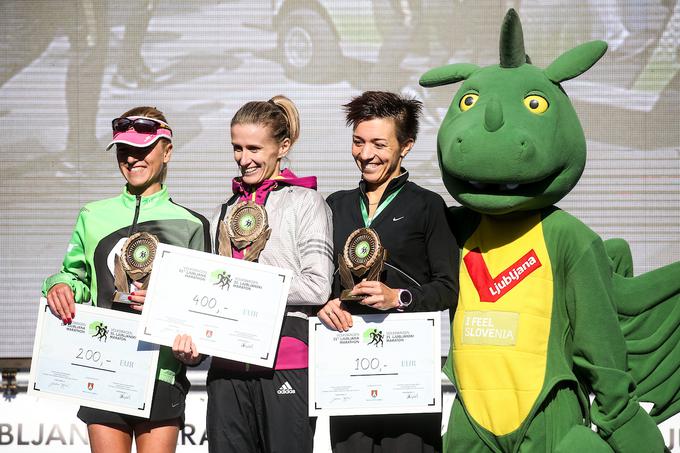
{"x":109,"y":439}
{"x":157,"y":437}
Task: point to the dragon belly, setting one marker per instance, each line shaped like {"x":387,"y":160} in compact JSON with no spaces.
{"x":502,"y":322}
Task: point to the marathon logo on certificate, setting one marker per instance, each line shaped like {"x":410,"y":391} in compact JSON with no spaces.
{"x":231,"y":308}
{"x":385,"y":364}
{"x":96,"y":361}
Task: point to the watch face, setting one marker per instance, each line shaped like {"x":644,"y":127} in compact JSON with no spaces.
{"x":405,"y":297}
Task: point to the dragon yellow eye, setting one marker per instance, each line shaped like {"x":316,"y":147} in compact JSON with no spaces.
{"x":536,"y":104}
{"x":468,"y":101}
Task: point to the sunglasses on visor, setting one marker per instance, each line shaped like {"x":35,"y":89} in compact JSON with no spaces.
{"x":140,"y":125}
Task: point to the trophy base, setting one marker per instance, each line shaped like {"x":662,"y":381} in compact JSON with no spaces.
{"x":345,"y":296}
{"x":122,"y":298}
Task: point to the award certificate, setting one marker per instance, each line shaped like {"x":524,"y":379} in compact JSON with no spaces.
{"x":385,"y":364}
{"x":231,"y":308}
{"x":95,"y":361}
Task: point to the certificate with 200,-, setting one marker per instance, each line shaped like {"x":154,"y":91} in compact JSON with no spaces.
{"x":385,"y":364}
{"x":95,"y":361}
{"x":231,"y":308}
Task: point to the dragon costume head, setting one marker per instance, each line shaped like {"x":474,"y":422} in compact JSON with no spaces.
{"x":511,"y":140}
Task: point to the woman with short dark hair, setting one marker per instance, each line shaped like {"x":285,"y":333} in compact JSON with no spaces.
{"x":422,"y":257}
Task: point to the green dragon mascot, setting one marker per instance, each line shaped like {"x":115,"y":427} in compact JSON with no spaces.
{"x":548,"y":313}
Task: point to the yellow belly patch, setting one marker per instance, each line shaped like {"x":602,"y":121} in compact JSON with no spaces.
{"x":502,"y":323}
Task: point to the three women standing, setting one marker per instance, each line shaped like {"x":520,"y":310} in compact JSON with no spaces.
{"x":254,"y":409}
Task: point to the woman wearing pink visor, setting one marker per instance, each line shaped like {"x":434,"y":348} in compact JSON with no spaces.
{"x":143,"y":142}
{"x":140,"y":131}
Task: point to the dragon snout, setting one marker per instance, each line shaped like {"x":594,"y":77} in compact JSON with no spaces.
{"x":508,"y":147}
{"x":526,"y":148}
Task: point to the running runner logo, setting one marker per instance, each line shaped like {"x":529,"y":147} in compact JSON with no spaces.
{"x":98,"y":330}
{"x":221,"y":278}
{"x":285,"y":389}
{"x":90,"y":386}
{"x":373,"y":336}
{"x":490,"y":288}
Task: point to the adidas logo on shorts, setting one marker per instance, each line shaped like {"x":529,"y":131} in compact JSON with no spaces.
{"x":285,"y":389}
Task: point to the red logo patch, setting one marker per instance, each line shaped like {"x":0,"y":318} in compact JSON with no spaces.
{"x":208,"y":333}
{"x":90,"y":385}
{"x":489,"y":288}
{"x":374,"y":393}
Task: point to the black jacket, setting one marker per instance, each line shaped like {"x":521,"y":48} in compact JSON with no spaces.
{"x":423,"y":256}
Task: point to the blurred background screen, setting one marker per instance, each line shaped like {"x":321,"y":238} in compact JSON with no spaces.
{"x":67,"y":67}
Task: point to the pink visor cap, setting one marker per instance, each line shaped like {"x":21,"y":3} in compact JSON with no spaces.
{"x":140,"y":139}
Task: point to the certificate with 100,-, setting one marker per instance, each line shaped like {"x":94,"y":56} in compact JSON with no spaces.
{"x":231,"y":308}
{"x":95,"y":361}
{"x":385,"y":364}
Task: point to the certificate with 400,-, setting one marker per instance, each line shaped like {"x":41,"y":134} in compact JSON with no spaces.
{"x":231,"y":308}
{"x":95,"y":361}
{"x":385,"y":364}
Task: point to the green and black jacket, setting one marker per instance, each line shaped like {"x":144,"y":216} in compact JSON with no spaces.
{"x":102,"y":228}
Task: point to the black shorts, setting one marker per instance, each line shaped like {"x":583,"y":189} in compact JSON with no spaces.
{"x":168,"y":403}
{"x":266,"y":410}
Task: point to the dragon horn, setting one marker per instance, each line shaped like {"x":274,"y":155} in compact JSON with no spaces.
{"x":512,"y":41}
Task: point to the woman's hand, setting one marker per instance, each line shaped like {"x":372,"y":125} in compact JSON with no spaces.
{"x":138,"y":296}
{"x":184,"y":350}
{"x":380,"y":296}
{"x":335,"y":316}
{"x":61,"y":302}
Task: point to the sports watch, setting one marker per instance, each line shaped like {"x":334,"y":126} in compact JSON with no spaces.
{"x":405,"y":298}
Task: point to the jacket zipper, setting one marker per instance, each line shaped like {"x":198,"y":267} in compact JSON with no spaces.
{"x":133,"y":227}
